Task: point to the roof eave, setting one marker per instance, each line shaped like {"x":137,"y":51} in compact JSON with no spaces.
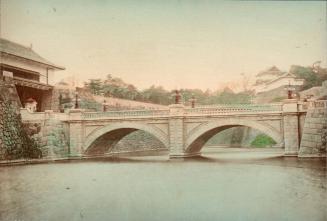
{"x":57,"y":67}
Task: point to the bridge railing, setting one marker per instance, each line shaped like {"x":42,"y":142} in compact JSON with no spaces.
{"x":226,"y":109}
{"x":319,"y":104}
{"x":126,"y":114}
{"x":303,"y":107}
{"x":312,"y":104}
{"x":41,"y":116}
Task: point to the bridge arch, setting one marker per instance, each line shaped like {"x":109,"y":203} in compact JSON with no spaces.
{"x":119,"y":130}
{"x":197,"y":137}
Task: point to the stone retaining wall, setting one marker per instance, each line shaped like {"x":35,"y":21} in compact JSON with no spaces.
{"x":16,"y":140}
{"x":55,"y":143}
{"x":313,"y":143}
{"x":51,"y":136}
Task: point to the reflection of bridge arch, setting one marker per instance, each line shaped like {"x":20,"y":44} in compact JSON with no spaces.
{"x":202,"y":133}
{"x":116,"y":131}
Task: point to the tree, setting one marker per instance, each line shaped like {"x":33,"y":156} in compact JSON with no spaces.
{"x":116,"y":87}
{"x":95,"y":86}
{"x":262,"y":140}
{"x":132,"y":92}
{"x":311,"y":76}
{"x":157,"y":95}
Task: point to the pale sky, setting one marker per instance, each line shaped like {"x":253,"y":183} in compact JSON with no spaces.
{"x":176,"y":44}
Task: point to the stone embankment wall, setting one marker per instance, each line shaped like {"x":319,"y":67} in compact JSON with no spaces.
{"x":314,"y":138}
{"x":51,"y":137}
{"x":9,"y":106}
{"x":30,"y":138}
{"x":16,"y":140}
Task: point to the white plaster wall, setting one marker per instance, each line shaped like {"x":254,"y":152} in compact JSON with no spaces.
{"x":51,"y":77}
{"x":266,"y":77}
{"x":281,"y":82}
{"x":31,"y":66}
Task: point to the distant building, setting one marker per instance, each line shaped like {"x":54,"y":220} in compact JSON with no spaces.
{"x":273,"y":78}
{"x":31,"y":74}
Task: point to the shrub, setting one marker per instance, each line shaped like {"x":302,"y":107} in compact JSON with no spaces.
{"x":262,"y":140}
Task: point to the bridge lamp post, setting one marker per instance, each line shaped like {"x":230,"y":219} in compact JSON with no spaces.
{"x":192,"y":100}
{"x":61,"y":110}
{"x":76,"y":100}
{"x":104,"y":105}
{"x":290,"y":91}
{"x":177,"y":96}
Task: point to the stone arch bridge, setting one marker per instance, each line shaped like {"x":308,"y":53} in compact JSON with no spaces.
{"x":182,"y":130}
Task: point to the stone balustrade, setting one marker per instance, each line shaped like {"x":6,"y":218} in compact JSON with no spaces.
{"x":41,"y":116}
{"x":226,"y":109}
{"x":125,"y":114}
{"x":35,"y":116}
{"x":321,"y":104}
{"x":233,"y":109}
{"x":313,"y":104}
{"x":201,"y":110}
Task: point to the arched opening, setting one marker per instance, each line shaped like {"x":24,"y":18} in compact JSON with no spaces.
{"x":125,"y":137}
{"x":198,"y":138}
{"x":240,"y":137}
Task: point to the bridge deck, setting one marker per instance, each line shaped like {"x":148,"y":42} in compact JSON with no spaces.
{"x":198,"y":111}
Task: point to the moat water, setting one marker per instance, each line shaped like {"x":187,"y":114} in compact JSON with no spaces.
{"x":223,"y":184}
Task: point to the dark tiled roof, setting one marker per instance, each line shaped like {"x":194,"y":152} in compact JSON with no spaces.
{"x":271,"y":71}
{"x":12,"y":48}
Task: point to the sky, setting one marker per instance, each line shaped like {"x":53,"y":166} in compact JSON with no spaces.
{"x":176,"y":44}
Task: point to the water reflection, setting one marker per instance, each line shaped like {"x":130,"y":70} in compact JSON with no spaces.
{"x":221,"y":185}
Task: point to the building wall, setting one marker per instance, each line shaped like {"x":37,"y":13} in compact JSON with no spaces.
{"x":266,"y":77}
{"x":29,"y":65}
{"x":278,"y":83}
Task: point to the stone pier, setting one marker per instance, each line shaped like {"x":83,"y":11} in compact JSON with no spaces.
{"x":291,"y":127}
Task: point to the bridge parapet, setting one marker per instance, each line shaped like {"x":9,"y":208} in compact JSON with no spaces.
{"x":42,"y":116}
{"x":234,"y":109}
{"x":318,"y":104}
{"x":125,"y":114}
{"x":312,"y":104}
{"x":181,"y":110}
{"x":173,"y":110}
{"x":35,"y":116}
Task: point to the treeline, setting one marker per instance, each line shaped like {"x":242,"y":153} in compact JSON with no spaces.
{"x":116,"y":87}
{"x":312,"y":76}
